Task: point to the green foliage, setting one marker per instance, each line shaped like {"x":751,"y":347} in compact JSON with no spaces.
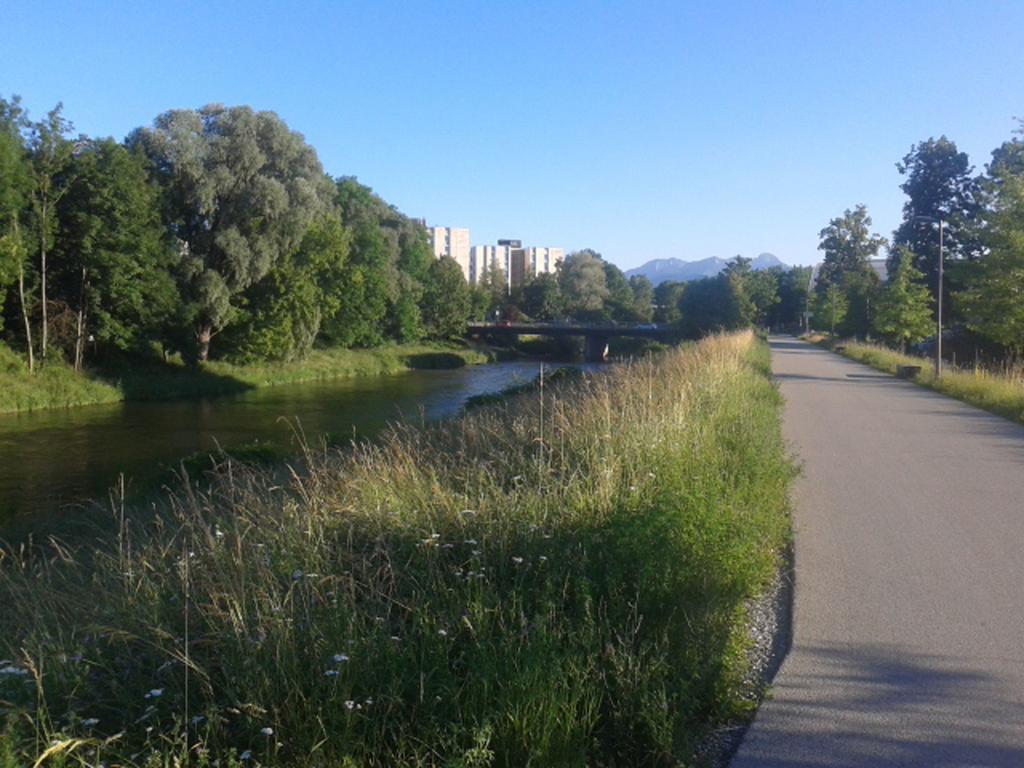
{"x":904,"y":313}
{"x":667,"y":298}
{"x":507,"y":590}
{"x":542,"y":298}
{"x":939,"y":185}
{"x":584,"y":284}
{"x":710,"y":305}
{"x":993,"y":302}
{"x":643,"y":298}
{"x":446,"y":301}
{"x":241,"y":191}
{"x":112,"y":262}
{"x":848,"y":245}
{"x":829,"y":308}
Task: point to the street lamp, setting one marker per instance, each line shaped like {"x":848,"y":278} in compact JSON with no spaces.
{"x":938,"y":321}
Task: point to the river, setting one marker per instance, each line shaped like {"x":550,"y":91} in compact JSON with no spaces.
{"x":53,"y":462}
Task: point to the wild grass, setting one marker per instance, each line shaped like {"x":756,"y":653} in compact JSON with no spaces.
{"x":555,"y":580}
{"x":52,"y":385}
{"x":1000,"y":391}
{"x":57,"y":385}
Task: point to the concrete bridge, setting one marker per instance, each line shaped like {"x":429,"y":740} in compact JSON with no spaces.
{"x":595,"y":335}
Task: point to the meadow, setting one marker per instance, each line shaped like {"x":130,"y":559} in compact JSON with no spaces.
{"x":556,"y":579}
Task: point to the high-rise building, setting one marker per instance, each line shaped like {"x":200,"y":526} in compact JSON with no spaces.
{"x":452,"y":242}
{"x":517,"y":264}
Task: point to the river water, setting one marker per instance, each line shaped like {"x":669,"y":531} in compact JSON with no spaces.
{"x":53,"y":462}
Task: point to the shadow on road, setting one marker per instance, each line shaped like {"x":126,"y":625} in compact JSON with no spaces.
{"x":886,"y":705}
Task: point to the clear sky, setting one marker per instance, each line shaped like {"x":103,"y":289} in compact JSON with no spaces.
{"x":641,"y":129}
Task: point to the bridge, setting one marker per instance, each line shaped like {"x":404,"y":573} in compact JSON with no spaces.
{"x":595,"y":335}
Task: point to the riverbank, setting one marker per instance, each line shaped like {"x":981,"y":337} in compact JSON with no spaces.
{"x":1001,"y":393}
{"x":555,"y":579}
{"x":57,"y":385}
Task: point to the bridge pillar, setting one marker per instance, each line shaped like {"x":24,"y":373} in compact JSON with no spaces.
{"x":595,"y":348}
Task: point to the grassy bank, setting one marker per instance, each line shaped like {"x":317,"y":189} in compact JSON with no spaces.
{"x":548,"y":581}
{"x":58,"y":386}
{"x":1001,"y":392}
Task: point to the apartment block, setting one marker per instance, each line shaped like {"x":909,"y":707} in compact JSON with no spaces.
{"x":452,"y":242}
{"x":517,"y":264}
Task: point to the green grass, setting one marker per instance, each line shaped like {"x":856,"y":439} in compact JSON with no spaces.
{"x":553,"y":580}
{"x":57,"y":385}
{"x":1000,"y":392}
{"x":53,"y":385}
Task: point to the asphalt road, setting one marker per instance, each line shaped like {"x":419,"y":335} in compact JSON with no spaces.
{"x":908,"y":645}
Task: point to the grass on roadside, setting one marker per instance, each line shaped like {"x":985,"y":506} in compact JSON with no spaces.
{"x":1001,"y":392}
{"x":556,"y":579}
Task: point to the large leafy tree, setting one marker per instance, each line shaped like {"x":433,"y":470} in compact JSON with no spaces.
{"x":620,"y":303}
{"x":446,"y":302}
{"x":793,"y":297}
{"x":667,"y":296}
{"x":584,"y":284}
{"x":643,"y":298}
{"x":849,"y":246}
{"x":993,"y":302}
{"x":112,"y":261}
{"x":711,"y":305}
{"x":904,"y":312}
{"x":241,"y":192}
{"x":939,"y":185}
{"x":542,"y":298}
{"x":282,"y":315}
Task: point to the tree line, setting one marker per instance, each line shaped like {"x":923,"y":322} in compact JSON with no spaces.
{"x":212,"y":232}
{"x":980,"y":220}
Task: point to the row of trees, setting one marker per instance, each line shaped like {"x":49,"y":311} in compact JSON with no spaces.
{"x":214,"y":231}
{"x":982,"y":236}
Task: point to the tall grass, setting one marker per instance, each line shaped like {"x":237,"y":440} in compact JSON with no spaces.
{"x":52,"y":385}
{"x":1000,"y":391}
{"x":558,"y":579}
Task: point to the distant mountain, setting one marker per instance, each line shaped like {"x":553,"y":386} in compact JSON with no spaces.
{"x":660,"y":270}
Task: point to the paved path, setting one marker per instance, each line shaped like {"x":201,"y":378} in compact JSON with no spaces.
{"x":908,"y":642}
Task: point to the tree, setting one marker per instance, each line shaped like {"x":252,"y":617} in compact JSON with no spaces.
{"x":667,"y":296}
{"x":112,"y":262}
{"x":643,"y":298}
{"x":620,"y":302}
{"x":793,"y":298}
{"x":50,"y":155}
{"x":542,"y":298}
{"x":14,"y":185}
{"x":829,"y":308}
{"x":939,"y":185}
{"x":738,"y":273}
{"x":446,"y":302}
{"x":993,"y":302}
{"x":904,"y":310}
{"x":241,"y":189}
{"x":1008,"y":158}
{"x":710,"y":305}
{"x":583,"y":281}
{"x":282,"y":315}
{"x":848,"y":245}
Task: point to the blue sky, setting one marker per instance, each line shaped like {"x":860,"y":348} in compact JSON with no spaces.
{"x":643,"y":130}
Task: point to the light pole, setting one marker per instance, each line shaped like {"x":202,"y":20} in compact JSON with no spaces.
{"x":938,"y":319}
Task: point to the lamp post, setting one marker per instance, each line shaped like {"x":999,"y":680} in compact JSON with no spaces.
{"x":938,"y":320}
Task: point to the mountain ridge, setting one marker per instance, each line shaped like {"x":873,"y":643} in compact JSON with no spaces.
{"x":662,"y":270}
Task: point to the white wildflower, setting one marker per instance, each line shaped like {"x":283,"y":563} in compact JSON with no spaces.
{"x":246,"y":755}
{"x":443,"y":632}
{"x":331,"y":673}
{"x":517,"y":561}
{"x":350,"y":705}
{"x":339,"y":658}
{"x":267,"y":731}
{"x":155,"y":693}
{"x":89,"y":722}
